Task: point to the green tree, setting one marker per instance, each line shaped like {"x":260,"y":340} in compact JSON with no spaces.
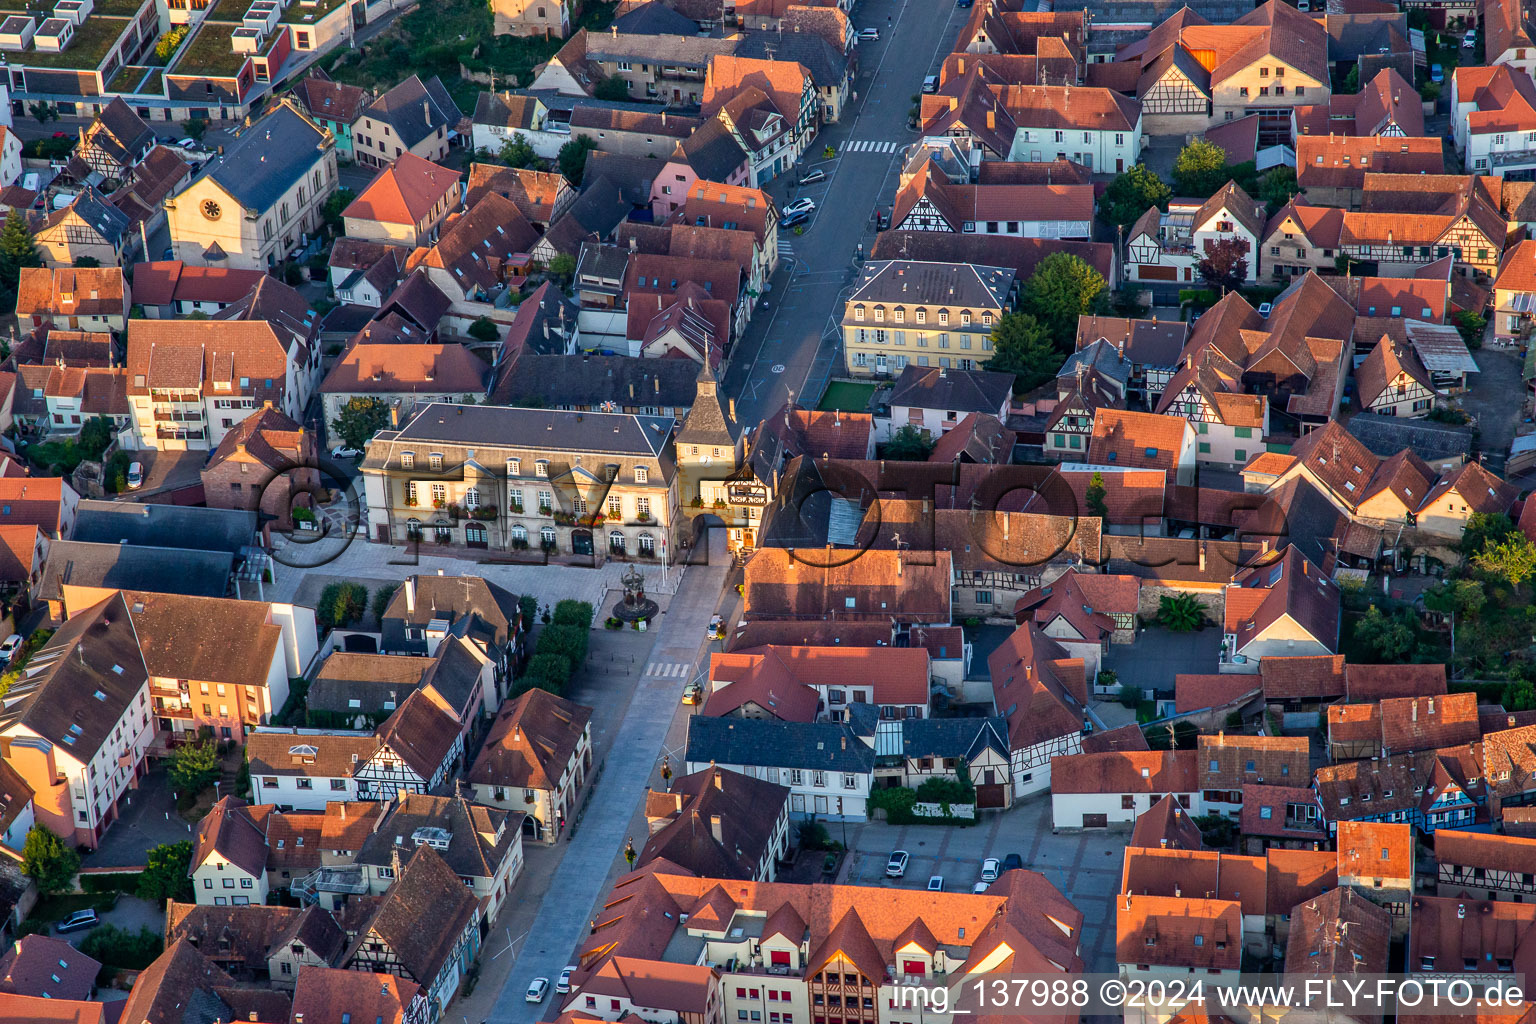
{"x":119,"y":947}
{"x":165,"y":874}
{"x":1021,"y":346}
{"x":166,"y":45}
{"x":1180,"y":613}
{"x":335,"y":203}
{"x":569,"y":642}
{"x":44,"y":112}
{"x":17,"y":250}
{"x":360,"y":419}
{"x":1225,"y":264}
{"x":1471,"y":325}
{"x":1093,"y":497}
{"x":562,"y":268}
{"x":908,"y":445}
{"x":1484,"y":528}
{"x":550,"y":672}
{"x":87,"y":262}
{"x":195,"y":127}
{"x":48,"y":862}
{"x":1351,"y":80}
{"x":518,"y":152}
{"x":614,"y":89}
{"x":1132,"y":194}
{"x":1130,"y":695}
{"x":571,"y":612}
{"x":340,"y":605}
{"x":1278,"y":186}
{"x":1200,"y":169}
{"x":572,"y":158}
{"x":1519,"y":695}
{"x":1512,"y":559}
{"x":1063,"y":288}
{"x":1388,"y":637}
{"x":381,"y":599}
{"x":527,"y":609}
{"x":484,"y":329}
{"x":192,"y":767}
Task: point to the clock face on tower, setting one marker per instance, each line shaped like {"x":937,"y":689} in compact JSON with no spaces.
{"x":211,"y":209}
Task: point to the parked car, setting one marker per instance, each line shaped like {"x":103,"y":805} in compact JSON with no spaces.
{"x":716,"y":627}
{"x":135,"y":475}
{"x":9,"y":648}
{"x":803,"y":205}
{"x":869,"y":33}
{"x":812,"y":177}
{"x":693,"y":693}
{"x":1436,"y":73}
{"x":990,"y":869}
{"x":537,"y":990}
{"x":563,"y":985}
{"x":896,"y":867}
{"x":1013,"y":862}
{"x":980,"y":887}
{"x":187,"y":143}
{"x":935,"y":883}
{"x":1469,"y":41}
{"x":964,"y":3}
{"x":792,"y":219}
{"x":1265,"y":309}
{"x":931,"y":83}
{"x":341,"y":451}
{"x":79,"y":919}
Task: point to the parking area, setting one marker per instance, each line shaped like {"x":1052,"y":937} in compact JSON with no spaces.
{"x":1491,"y":400}
{"x":1158,"y":655}
{"x":1085,"y":866}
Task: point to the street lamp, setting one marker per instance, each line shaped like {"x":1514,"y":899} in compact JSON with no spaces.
{"x":666,"y":770}
{"x":629,"y":851}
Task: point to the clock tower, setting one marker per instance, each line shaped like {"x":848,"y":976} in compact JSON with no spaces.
{"x":708,"y":450}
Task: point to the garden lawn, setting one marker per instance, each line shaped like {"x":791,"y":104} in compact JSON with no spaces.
{"x":846,"y":396}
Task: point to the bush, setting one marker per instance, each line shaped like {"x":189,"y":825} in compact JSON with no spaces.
{"x":527,"y":609}
{"x":483,"y":329}
{"x":192,"y":767}
{"x":566,"y":641}
{"x":381,"y":599}
{"x":102,"y":884}
{"x":813,"y":835}
{"x":550,"y":672}
{"x":573,"y":613}
{"x":1130,"y":696}
{"x":118,"y":947}
{"x":1180,"y":613}
{"x":165,"y":875}
{"x":340,"y":605}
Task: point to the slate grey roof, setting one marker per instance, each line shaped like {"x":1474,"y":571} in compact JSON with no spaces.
{"x":953,"y":737}
{"x":92,"y":207}
{"x":713,"y":152}
{"x":963,"y":391}
{"x":162,"y":570}
{"x":268,"y":157}
{"x":476,"y":607}
{"x":1100,"y":356}
{"x":553,"y":430}
{"x":171,"y":526}
{"x":600,"y":260}
{"x":594,"y":215}
{"x":768,"y":742}
{"x":826,"y":65}
{"x":405,"y":109}
{"x":1430,"y":441}
{"x":631,"y":175}
{"x":656,"y":19}
{"x":810,"y":512}
{"x":122,"y":135}
{"x":584,"y":380}
{"x":951,"y":284}
{"x":707,"y":422}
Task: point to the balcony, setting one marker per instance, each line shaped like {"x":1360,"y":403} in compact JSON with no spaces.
{"x":1504,"y":159}
{"x":345,"y":880}
{"x":174,"y":434}
{"x":178,"y":417}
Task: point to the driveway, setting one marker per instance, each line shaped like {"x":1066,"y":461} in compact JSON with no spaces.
{"x":1084,"y":866}
{"x":1494,"y":398}
{"x":147,"y":818}
{"x":1158,"y":655}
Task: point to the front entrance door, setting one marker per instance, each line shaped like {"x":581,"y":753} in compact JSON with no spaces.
{"x":581,"y":542}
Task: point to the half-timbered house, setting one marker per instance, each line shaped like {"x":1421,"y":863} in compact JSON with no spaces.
{"x":1230,"y":426}
{"x":1151,"y":346}
{"x":1408,"y":221}
{"x":1042,"y":694}
{"x":1168,"y":246}
{"x":1474,"y":862}
{"x":418,"y":746}
{"x":1393,"y":382}
{"x":426,"y":929}
{"x":1300,"y":238}
{"x":929,"y":201}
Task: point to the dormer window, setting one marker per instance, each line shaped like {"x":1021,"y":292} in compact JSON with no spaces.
{"x":879,"y":314}
{"x":436,"y":461}
{"x":901,"y":316}
{"x":407,"y":460}
{"x":541,"y":468}
{"x":858,"y":312}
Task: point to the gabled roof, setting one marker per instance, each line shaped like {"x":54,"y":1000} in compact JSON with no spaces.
{"x":1039,"y":690}
{"x":416,"y":109}
{"x":329,"y":100}
{"x":1291,"y":586}
{"x":265,"y":160}
{"x":405,"y":192}
{"x":422,"y":916}
{"x":531,"y":743}
{"x":1382,"y":369}
{"x":716,"y":822}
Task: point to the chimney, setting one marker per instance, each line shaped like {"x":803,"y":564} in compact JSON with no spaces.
{"x":1202,"y":556}
{"x":1414,"y":713}
{"x":426,"y":111}
{"x":719,"y":780}
{"x":731,"y":406}
{"x":714,"y":828}
{"x":663,"y":116}
{"x":844,"y":742}
{"x":410,"y":595}
{"x":991,"y":120}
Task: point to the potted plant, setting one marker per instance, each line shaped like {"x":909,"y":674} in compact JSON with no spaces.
{"x":545,"y":510}
{"x":698,"y":502}
{"x":720,"y":503}
{"x":516,"y":507}
{"x":410,"y":501}
{"x":484,"y":512}
{"x":438,"y":503}
{"x":643,"y":517}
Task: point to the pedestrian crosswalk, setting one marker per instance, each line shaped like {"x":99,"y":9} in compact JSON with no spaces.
{"x":666,"y":669}
{"x":870,"y":146}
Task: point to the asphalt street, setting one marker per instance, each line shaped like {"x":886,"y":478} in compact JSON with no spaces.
{"x":792,"y":345}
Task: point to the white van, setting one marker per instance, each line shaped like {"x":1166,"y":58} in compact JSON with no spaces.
{"x":931,"y":83}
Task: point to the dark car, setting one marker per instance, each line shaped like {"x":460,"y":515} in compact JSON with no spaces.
{"x":798,"y":217}
{"x":1013,"y":862}
{"x":882,"y":221}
